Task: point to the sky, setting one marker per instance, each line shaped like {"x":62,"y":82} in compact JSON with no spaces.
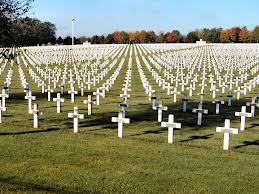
{"x":106,"y":16}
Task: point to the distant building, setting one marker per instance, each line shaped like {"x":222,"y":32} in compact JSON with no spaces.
{"x":201,"y":42}
{"x":86,"y":43}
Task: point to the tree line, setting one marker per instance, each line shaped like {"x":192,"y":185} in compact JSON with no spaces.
{"x":213,"y":35}
{"x":17,"y":30}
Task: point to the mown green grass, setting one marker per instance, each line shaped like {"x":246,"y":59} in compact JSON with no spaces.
{"x":54,"y":159}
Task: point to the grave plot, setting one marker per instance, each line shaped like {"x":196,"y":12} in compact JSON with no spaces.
{"x":147,"y":114}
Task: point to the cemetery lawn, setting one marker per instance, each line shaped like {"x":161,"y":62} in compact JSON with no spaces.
{"x":54,"y":159}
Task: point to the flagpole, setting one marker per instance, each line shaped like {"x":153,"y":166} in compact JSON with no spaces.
{"x":73,"y":28}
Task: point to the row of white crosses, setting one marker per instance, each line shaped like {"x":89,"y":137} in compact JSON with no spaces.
{"x":76,"y":116}
{"x":149,"y":89}
{"x":213,"y":88}
{"x":5,"y":91}
{"x":227,"y":130}
{"x":56,"y":73}
{"x":72,"y":92}
{"x":189,"y":76}
{"x":158,"y":105}
{"x":200,"y":111}
{"x":28,"y":96}
{"x":121,"y":119}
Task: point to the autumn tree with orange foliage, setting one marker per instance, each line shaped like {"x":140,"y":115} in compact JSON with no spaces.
{"x":142,"y":36}
{"x":234,"y":34}
{"x":224,"y":37}
{"x":117,"y":37}
{"x":172,"y":38}
{"x":244,"y":35}
{"x":210,"y":35}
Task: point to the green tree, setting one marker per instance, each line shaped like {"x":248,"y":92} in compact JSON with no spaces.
{"x":192,"y":37}
{"x":60,"y":40}
{"x":151,"y":37}
{"x":67,"y":40}
{"x":109,"y":39}
{"x":124,"y":37}
{"x":10,"y":12}
{"x":82,"y":39}
{"x":255,"y":35}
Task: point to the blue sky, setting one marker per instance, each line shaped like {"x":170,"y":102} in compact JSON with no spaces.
{"x":105,"y":16}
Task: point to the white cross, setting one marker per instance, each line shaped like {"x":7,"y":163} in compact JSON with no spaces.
{"x":168,"y":87}
{"x":200,"y":111}
{"x":238,"y":91}
{"x":243,"y":114}
{"x":223,"y":86}
{"x":2,"y":108}
{"x":201,"y":96}
{"x":171,"y":125}
{"x":217,"y":102}
{"x":72,"y":92}
{"x":42,"y":84}
{"x":75,"y":115}
{"x":175,"y":92}
{"x":58,"y":100}
{"x":185,"y":100}
{"x":82,"y":89}
{"x":123,"y":105}
{"x":103,"y":88}
{"x":226,"y":130}
{"x":229,"y":96}
{"x":120,"y":120}
{"x":214,"y":90}
{"x":154,"y":99}
{"x":160,"y":108}
{"x":49,"y":90}
{"x":26,"y":88}
{"x":97,"y":94}
{"x":190,"y":88}
{"x":252,"y":104}
{"x":89,"y":103}
{"x":88,"y":84}
{"x":30,"y":98}
{"x":62,"y":86}
{"x":4,"y":95}
{"x":35,"y":111}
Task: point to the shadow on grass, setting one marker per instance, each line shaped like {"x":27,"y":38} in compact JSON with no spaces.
{"x":29,"y":132}
{"x":188,"y":119}
{"x":248,"y":143}
{"x":158,"y":131}
{"x":18,"y":97}
{"x":195,"y":137}
{"x":22,"y":186}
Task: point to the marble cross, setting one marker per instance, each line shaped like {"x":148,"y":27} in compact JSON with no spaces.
{"x":4,"y":95}
{"x":59,"y":101}
{"x":160,"y":108}
{"x":217,"y":102}
{"x":243,"y":114}
{"x":2,"y":109}
{"x":120,"y":120}
{"x":89,"y":103}
{"x":171,"y":125}
{"x":75,"y":116}
{"x":72,"y":92}
{"x":30,"y":98}
{"x":226,"y":130}
{"x":200,"y":111}
{"x":252,"y":104}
